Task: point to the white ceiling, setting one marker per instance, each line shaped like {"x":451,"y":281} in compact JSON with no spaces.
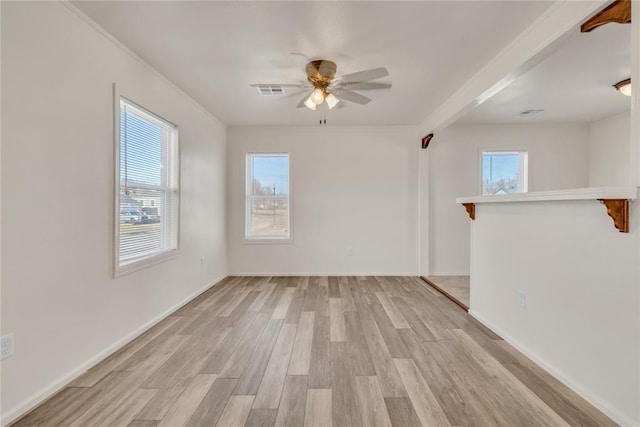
{"x":572,"y":84}
{"x":215,"y":50}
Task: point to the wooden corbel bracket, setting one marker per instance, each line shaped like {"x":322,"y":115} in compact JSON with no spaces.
{"x":619,"y":12}
{"x":618,"y":210}
{"x":471,"y":209}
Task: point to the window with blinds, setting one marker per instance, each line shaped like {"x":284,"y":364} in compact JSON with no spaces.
{"x":148,"y":190}
{"x":268,"y":214}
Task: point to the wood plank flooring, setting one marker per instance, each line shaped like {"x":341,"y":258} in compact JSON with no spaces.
{"x":456,"y":287}
{"x":316,"y":351}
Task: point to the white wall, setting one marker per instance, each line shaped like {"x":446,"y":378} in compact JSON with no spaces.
{"x":351,"y":188}
{"x":581,"y":280}
{"x":58,"y":296}
{"x":558,"y":159}
{"x":610,"y":151}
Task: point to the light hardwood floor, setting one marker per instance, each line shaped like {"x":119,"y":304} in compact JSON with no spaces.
{"x":458,"y":287}
{"x":316,"y":351}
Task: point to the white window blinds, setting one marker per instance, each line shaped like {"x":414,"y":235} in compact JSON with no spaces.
{"x":148,"y":196}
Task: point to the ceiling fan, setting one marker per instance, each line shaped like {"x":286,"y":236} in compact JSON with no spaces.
{"x":326,"y":87}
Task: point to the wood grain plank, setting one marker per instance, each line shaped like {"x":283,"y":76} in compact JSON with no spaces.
{"x":292,"y":405}
{"x":416,"y":323}
{"x":252,"y":376}
{"x":123,"y":414}
{"x":318,"y":412}
{"x":236,"y":412}
{"x":567,"y":403}
{"x":120,"y":392}
{"x":95,"y":374}
{"x":396,"y":317}
{"x":401,"y":412}
{"x":239,"y":359}
{"x":261,"y":418}
{"x":231,"y":341}
{"x":334,"y":288}
{"x":310,"y":297}
{"x":389,"y":334}
{"x":143,"y":423}
{"x":280,"y":312}
{"x":213,"y":403}
{"x":320,"y":362}
{"x":531,"y":403}
{"x":424,"y":402}
{"x":336,"y":317}
{"x":371,"y":402}
{"x":265,"y":293}
{"x":386,"y":372}
{"x":322,"y":306}
{"x":362,"y":364}
{"x":295,"y":308}
{"x":268,"y":395}
{"x":301,"y":355}
{"x":344,"y":401}
{"x":188,"y":402}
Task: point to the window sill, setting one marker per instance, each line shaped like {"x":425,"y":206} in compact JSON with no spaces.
{"x":258,"y":241}
{"x":145,"y":263}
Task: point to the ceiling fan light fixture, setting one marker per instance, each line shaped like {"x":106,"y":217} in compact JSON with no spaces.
{"x":317,"y":96}
{"x":332,"y":101}
{"x":624,"y":87}
{"x":310,"y":104}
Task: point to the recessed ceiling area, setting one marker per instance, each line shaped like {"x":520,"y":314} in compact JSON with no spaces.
{"x":215,"y":50}
{"x":574,"y":83}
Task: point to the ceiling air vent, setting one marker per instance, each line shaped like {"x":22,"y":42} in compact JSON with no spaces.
{"x":270,"y":90}
{"x":529,"y":112}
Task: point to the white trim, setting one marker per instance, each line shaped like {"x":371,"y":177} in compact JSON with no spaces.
{"x":267,"y":239}
{"x":104,"y":33}
{"x":324,"y":273}
{"x":48,"y":391}
{"x":608,"y":411}
{"x":171,"y":173}
{"x":145,"y":262}
{"x":447,"y":274}
{"x":557,"y":195}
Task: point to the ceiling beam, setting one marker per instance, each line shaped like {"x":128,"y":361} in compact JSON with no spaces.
{"x":526,"y":50}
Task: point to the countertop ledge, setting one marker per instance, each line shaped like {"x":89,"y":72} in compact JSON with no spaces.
{"x":593,"y":193}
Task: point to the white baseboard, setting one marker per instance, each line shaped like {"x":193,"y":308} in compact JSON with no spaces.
{"x":324,"y":273}
{"x":608,"y":411}
{"x":48,"y":391}
{"x":439,"y":273}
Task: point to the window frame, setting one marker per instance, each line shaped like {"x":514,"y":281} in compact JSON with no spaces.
{"x":170,"y":162}
{"x":524,"y":166}
{"x":268,"y":239}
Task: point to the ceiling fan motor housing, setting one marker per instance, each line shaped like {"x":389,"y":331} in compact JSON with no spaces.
{"x":321,"y":72}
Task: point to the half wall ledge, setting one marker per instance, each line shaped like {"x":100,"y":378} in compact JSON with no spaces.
{"x":615,"y":199}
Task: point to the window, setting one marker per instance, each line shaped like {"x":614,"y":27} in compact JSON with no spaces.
{"x":504,"y":172}
{"x":147,"y":201}
{"x":267,"y":207}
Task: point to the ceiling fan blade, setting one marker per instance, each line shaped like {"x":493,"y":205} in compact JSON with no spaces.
{"x":300,"y":85}
{"x":365,"y":76}
{"x":366,"y":86}
{"x":301,"y":103}
{"x":300,"y":59}
{"x":351,"y":96}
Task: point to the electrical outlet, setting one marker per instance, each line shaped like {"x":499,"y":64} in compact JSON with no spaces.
{"x":522,"y":299}
{"x":201,"y":262}
{"x":351,"y":252}
{"x":7,"y":346}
